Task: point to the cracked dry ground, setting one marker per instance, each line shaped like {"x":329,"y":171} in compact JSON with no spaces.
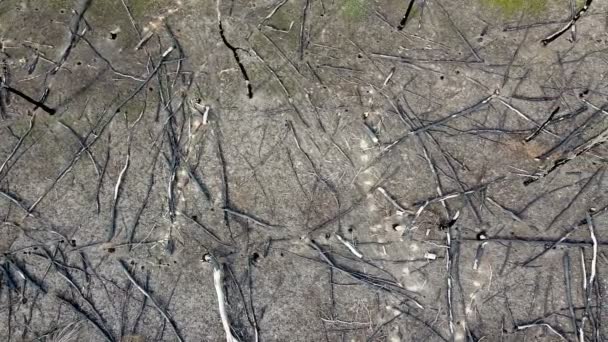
{"x":303,"y":170}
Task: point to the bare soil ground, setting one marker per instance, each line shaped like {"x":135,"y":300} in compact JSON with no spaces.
{"x":303,"y":170}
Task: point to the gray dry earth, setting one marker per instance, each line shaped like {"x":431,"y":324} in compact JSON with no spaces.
{"x":129,"y":185}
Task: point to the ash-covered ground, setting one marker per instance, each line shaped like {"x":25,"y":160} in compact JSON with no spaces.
{"x":303,"y":170}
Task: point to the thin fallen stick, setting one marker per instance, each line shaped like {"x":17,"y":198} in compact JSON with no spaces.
{"x":274,"y":10}
{"x":234,"y":50}
{"x":16,"y":201}
{"x":23,"y":273}
{"x":118,"y":190}
{"x":525,"y":117}
{"x":288,"y":96}
{"x":385,"y":323}
{"x":599,"y":139}
{"x":392,"y":201}
{"x":589,"y":286}
{"x":581,"y":328}
{"x":568,"y":282}
{"x":510,"y":212}
{"x":49,"y":110}
{"x":81,"y":142}
{"x":406,"y":15}
{"x":101,"y":176}
{"x":542,"y":126}
{"x":575,"y":133}
{"x":426,"y":324}
{"x":443,"y":120}
{"x":507,"y":255}
{"x":512,"y":60}
{"x":594,"y":260}
{"x":254,"y":322}
{"x":571,"y":23}
{"x":19,"y":143}
{"x":563,"y":238}
{"x":250,"y":218}
{"x":147,"y":295}
{"x":107,"y":61}
{"x":131,"y":232}
{"x":239,"y":289}
{"x":449,"y":260}
{"x":302,"y":28}
{"x":370,"y":280}
{"x":74,"y":26}
{"x":573,"y":200}
{"x":350,"y":246}
{"x":479,"y":255}
{"x":68,"y":278}
{"x":205,"y":229}
{"x":86,"y":316}
{"x":455,"y":194}
{"x":475,"y":54}
{"x":218,"y":282}
{"x":197,"y":182}
{"x":547,"y":325}
{"x":538,"y":241}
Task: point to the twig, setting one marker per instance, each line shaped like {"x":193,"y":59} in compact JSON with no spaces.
{"x":521,"y":43}
{"x":26,"y":275}
{"x":562,"y":239}
{"x":84,"y":315}
{"x":118,"y":190}
{"x":460,"y":113}
{"x":403,"y":21}
{"x":198,"y":183}
{"x":514,"y":215}
{"x":274,"y":10}
{"x":522,"y":115}
{"x":101,"y":176}
{"x":374,"y":281}
{"x":250,"y":218}
{"x":144,"y":202}
{"x":18,"y":145}
{"x":233,"y":50}
{"x":594,"y":259}
{"x":152,"y":300}
{"x":288,"y":96}
{"x":385,"y":323}
{"x":350,"y":246}
{"x":218,"y":282}
{"x":16,"y":201}
{"x":572,"y":21}
{"x":578,"y":194}
{"x":576,"y":132}
{"x":205,"y":229}
{"x":49,"y":110}
{"x":455,"y":194}
{"x":589,"y":285}
{"x":83,"y":6}
{"x":567,"y":278}
{"x":542,"y":126}
{"x":302,"y":28}
{"x":254,"y":322}
{"x":477,"y":58}
{"x":479,"y":254}
{"x":507,"y":255}
{"x":449,"y":260}
{"x":82,"y":144}
{"x":547,"y":325}
{"x":571,"y":155}
{"x":392,"y":201}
